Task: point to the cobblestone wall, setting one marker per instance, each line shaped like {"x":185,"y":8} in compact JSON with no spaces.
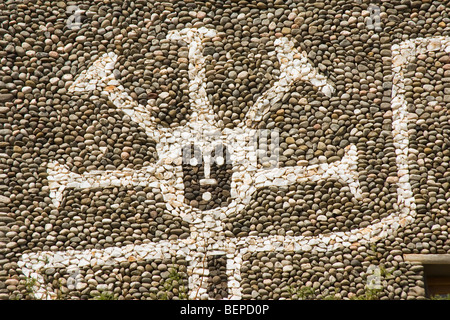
{"x":222,"y":149}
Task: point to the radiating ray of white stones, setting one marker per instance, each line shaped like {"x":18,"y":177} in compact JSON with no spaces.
{"x":100,"y":76}
{"x":294,"y":66}
{"x":202,"y":111}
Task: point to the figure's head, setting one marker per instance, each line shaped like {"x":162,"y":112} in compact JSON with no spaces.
{"x":207,"y":175}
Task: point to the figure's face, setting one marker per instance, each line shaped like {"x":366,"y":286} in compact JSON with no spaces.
{"x":207,"y":176}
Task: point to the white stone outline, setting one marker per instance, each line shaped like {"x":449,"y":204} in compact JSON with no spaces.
{"x":235,"y":248}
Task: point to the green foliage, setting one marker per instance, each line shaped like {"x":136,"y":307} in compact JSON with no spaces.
{"x":330,"y":297}
{"x":30,"y":284}
{"x":308,"y":293}
{"x":333,"y":296}
{"x":385,"y":272}
{"x":440,"y":297}
{"x":304,"y":293}
{"x":174,"y":281}
{"x":105,"y":295}
{"x":369,"y":294}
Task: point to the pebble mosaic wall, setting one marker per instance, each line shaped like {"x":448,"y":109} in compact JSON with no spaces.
{"x":223,"y":149}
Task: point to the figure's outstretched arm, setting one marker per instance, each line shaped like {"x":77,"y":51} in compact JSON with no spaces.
{"x":61,"y":178}
{"x":344,"y":170}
